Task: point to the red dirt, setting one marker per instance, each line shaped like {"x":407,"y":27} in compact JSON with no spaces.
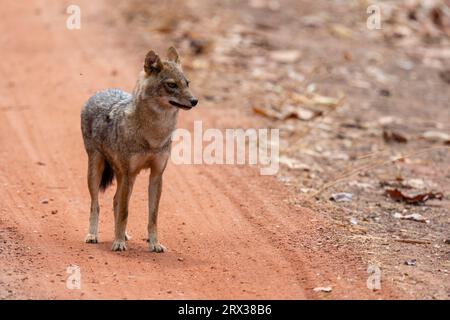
{"x":230,"y":232}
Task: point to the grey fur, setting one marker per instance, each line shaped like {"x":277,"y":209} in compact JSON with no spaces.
{"x":131,"y":132}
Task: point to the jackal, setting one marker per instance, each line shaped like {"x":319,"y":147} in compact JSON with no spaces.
{"x":124,"y":133}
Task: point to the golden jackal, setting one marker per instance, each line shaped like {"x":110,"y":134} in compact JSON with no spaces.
{"x":124,"y":133}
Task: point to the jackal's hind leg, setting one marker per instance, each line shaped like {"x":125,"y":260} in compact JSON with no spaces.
{"x":96,"y":164}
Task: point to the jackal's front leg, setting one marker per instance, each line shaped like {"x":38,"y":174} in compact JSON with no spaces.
{"x":121,"y":200}
{"x":154,"y":194}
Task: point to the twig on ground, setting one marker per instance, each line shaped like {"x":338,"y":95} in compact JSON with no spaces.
{"x":414,"y":241}
{"x":373,"y":165}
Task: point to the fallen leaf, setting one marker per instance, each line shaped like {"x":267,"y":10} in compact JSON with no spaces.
{"x":393,"y":136}
{"x":397,"y":195}
{"x":289,"y":112}
{"x":436,"y":136}
{"x":316,"y":99}
{"x":294,"y":163}
{"x":309,"y":106}
{"x":341,"y":31}
{"x":358,"y":229}
{"x":414,"y":217}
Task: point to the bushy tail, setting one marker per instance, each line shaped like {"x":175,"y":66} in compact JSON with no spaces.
{"x":107,"y":177}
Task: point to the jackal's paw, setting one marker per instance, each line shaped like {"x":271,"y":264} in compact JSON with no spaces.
{"x":157,"y":247}
{"x":119,"y":245}
{"x":91,"y":238}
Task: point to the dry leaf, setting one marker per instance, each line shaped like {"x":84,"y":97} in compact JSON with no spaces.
{"x":289,"y":112}
{"x":316,"y":99}
{"x":397,"y":195}
{"x":437,"y":136}
{"x":393,"y":136}
{"x":293,"y":163}
{"x":268,"y":112}
{"x":341,"y":31}
{"x":413,"y":217}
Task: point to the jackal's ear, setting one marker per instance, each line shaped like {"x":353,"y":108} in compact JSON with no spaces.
{"x":153,"y":63}
{"x":172,"y":55}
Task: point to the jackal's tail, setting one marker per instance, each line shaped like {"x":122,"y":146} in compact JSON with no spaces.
{"x":107,"y":177}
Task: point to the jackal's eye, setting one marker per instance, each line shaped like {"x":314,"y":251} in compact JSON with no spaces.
{"x":171,"y":85}
{"x":187,"y":83}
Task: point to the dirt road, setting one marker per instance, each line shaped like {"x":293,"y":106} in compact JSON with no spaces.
{"x":230,"y":232}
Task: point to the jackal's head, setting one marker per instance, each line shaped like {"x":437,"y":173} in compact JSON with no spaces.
{"x":165,"y":81}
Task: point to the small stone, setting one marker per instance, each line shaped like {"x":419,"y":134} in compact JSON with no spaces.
{"x":341,"y":197}
{"x":412,"y":262}
{"x":385,"y":93}
{"x":398,"y":215}
{"x":322,"y":289}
